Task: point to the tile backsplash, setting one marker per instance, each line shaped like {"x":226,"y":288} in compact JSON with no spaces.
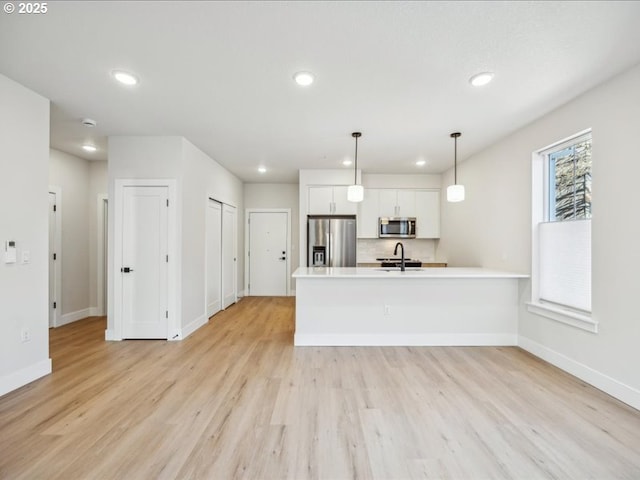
{"x":419,"y":249}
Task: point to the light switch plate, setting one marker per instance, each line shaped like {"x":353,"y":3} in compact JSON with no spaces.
{"x":10,"y":252}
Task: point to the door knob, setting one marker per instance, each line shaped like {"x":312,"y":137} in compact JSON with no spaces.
{"x":126,"y":269}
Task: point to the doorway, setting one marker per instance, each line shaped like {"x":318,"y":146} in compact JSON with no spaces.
{"x":268,"y":244}
{"x":144,"y":268}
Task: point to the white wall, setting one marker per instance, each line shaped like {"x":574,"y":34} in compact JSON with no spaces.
{"x":202,"y":177}
{"x":492,"y":228}
{"x":377,"y":180}
{"x":139,"y":158}
{"x":24,"y":294}
{"x":98,"y":185}
{"x":278,"y":195}
{"x":198,"y":177}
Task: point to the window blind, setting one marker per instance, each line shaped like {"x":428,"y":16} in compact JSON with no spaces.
{"x":565,"y":263}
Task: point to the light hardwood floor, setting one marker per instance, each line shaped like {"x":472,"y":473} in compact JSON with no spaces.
{"x":237,"y":400}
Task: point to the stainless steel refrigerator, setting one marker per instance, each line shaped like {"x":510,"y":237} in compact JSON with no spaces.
{"x":331,"y":241}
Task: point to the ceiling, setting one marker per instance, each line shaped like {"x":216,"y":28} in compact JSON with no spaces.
{"x":220,"y":74}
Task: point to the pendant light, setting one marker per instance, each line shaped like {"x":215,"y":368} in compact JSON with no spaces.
{"x":355,"y":192}
{"x":455,"y":192}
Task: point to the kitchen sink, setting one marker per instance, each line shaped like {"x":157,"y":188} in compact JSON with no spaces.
{"x":397,"y":269}
{"x":395,"y":262}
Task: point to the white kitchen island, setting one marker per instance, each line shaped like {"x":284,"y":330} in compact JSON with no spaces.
{"x":430,"y":306}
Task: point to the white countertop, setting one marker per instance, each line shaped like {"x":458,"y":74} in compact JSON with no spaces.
{"x":367,"y":272}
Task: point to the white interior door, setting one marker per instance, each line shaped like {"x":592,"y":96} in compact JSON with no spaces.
{"x":52,"y":260}
{"x":145,"y":262}
{"x":214,"y":257}
{"x":268,"y":264}
{"x":229,"y":288}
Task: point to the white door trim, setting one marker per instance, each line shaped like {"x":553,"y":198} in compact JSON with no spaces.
{"x":247,"y":231}
{"x":100,"y":251}
{"x":173,"y":300}
{"x":57,"y":191}
{"x":211,"y":198}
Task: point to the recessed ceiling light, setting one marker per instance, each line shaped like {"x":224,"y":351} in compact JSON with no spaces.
{"x":89,"y":148}
{"x":421,"y":163}
{"x":347,"y":162}
{"x":262,"y":169}
{"x":125,"y":78}
{"x":481,"y":79}
{"x":304,"y":78}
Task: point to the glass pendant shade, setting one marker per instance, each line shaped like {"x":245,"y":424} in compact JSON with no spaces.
{"x":355,"y":193}
{"x":455,"y":193}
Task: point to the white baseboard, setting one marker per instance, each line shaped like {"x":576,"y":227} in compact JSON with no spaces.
{"x":214,"y":308}
{"x":293,"y":293}
{"x":613,"y":387}
{"x":398,"y":340}
{"x":18,"y":379}
{"x":110,"y":336}
{"x":95,"y":312}
{"x":74,"y":317}
{"x":193,"y":326}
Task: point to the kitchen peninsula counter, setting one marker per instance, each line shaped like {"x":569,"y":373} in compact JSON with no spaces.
{"x":429,"y":306}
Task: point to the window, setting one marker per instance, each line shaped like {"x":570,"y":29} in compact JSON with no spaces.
{"x":569,"y":177}
{"x":561,"y":273}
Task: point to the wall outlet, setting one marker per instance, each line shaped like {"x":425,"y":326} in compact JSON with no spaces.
{"x":25,"y":335}
{"x":387,"y":309}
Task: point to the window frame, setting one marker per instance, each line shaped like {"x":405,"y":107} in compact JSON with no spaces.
{"x":540,"y":212}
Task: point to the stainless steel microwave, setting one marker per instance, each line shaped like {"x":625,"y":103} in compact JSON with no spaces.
{"x":397,"y":227}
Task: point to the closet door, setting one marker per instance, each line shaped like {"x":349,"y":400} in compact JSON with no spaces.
{"x":229,"y":274}
{"x":214,"y":257}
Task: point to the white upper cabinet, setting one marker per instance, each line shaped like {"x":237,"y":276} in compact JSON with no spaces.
{"x":422,"y":204}
{"x":406,"y":203}
{"x":320,"y":200}
{"x":427,"y":213}
{"x":330,"y":200}
{"x":388,"y":202}
{"x":342,"y":206}
{"x":368,"y":213}
{"x":397,"y":202}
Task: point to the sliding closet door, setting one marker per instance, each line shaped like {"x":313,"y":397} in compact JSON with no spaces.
{"x":214,"y":257}
{"x":229,"y":274}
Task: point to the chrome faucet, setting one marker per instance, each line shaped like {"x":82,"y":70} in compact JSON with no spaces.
{"x":395,"y":252}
